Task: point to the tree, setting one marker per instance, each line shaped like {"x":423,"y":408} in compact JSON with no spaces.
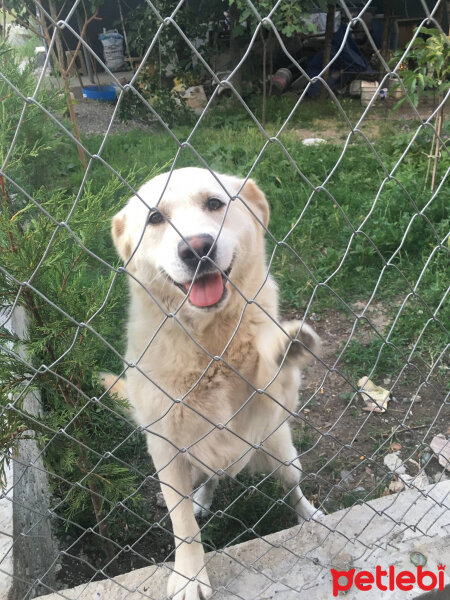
{"x":38,"y":17}
{"x":427,"y":71}
{"x":288,"y":19}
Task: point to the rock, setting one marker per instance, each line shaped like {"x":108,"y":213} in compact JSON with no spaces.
{"x":160,"y":500}
{"x":346,"y":476}
{"x":441,"y":447}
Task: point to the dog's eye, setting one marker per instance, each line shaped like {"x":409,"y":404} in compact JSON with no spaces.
{"x":214,"y":204}
{"x":155,"y":218}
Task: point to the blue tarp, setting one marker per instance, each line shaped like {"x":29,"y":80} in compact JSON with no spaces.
{"x":350,"y":59}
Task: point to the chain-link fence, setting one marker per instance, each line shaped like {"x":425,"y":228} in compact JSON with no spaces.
{"x":209,"y":374}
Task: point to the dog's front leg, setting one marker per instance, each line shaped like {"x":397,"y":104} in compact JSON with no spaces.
{"x":189,"y":579}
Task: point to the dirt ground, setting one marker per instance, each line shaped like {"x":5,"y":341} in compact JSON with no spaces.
{"x":94,"y":117}
{"x":345,"y":444}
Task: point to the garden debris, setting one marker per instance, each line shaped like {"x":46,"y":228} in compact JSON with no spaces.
{"x":441,"y":447}
{"x":426,"y":456}
{"x":396,"y":486}
{"x":313,"y":141}
{"x":281,"y":80}
{"x":420,"y":481}
{"x":395,"y":464}
{"x":195,"y":98}
{"x":346,"y":477}
{"x":376,"y":397}
{"x":418,"y":559}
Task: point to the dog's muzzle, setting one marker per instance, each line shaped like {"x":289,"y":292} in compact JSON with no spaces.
{"x":207,"y":288}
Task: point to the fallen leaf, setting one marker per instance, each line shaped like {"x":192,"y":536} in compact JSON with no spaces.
{"x":396,"y":486}
{"x":441,"y":447}
{"x":376,"y":397}
{"x":396,"y":446}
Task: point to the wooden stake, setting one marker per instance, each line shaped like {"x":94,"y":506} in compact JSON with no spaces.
{"x":439,"y":120}
{"x":66,"y":86}
{"x":125,"y":35}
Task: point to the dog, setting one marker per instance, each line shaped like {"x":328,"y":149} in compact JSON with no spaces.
{"x":212,"y":372}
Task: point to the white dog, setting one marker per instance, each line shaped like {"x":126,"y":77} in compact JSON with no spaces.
{"x":213,"y":374}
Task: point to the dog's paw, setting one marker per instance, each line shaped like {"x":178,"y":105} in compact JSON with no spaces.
{"x":183,"y":587}
{"x":303,"y":343}
{"x":306,"y":511}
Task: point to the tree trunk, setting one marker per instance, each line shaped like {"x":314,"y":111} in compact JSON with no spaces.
{"x":235,"y":48}
{"x":264,"y":77}
{"x":66,"y":84}
{"x":329,"y":32}
{"x":4,"y":19}
{"x":386,"y":37}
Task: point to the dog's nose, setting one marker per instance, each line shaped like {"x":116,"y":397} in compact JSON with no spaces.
{"x":191,"y":248}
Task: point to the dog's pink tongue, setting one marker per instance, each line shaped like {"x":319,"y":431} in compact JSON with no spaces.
{"x":206,"y":290}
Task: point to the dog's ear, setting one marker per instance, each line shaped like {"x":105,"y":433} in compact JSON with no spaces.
{"x":257,"y":201}
{"x":119,"y":235}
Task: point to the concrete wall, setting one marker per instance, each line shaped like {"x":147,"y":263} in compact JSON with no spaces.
{"x":295,"y":564}
{"x":34,"y":548}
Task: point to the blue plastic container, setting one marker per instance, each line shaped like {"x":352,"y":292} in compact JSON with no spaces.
{"x":103,"y":92}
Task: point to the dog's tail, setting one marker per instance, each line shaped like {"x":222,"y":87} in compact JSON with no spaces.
{"x":114,"y":385}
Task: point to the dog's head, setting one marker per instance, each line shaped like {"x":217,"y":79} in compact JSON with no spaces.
{"x":191,"y":233}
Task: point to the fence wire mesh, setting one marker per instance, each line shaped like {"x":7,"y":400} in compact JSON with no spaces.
{"x":377,"y":299}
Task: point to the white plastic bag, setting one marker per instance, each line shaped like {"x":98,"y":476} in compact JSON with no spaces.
{"x":112,"y":49}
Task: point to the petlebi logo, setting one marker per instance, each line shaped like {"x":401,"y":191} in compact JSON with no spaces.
{"x":388,"y":579}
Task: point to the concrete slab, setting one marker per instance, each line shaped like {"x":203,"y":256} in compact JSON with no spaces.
{"x":295,"y":563}
{"x":6,"y":535}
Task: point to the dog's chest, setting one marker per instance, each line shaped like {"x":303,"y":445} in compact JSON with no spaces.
{"x":187,"y":368}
